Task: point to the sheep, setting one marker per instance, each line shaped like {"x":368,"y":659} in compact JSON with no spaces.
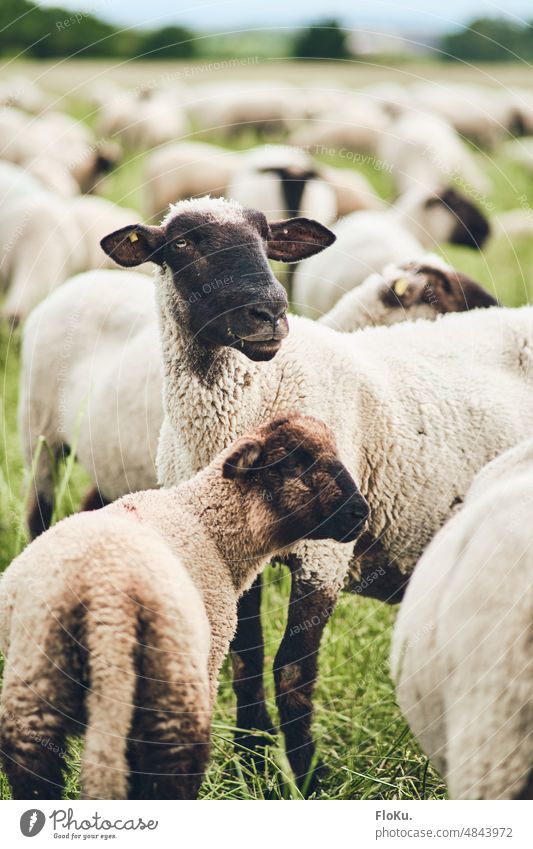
{"x":186,"y":169}
{"x":228,"y":110}
{"x":417,"y":289}
{"x":55,"y":137}
{"x":413,"y":423}
{"x":358,"y":128}
{"x":46,"y":240}
{"x":112,"y":360}
{"x":461,"y":650}
{"x":367,"y":241}
{"x":352,"y":190}
{"x":423,"y":150}
{"x":35,"y":176}
{"x":105,"y":400}
{"x":146,"y":590}
{"x":283,"y":181}
{"x":479,"y":114}
{"x":142,"y":119}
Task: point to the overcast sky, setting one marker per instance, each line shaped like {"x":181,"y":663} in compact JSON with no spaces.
{"x":424,"y":15}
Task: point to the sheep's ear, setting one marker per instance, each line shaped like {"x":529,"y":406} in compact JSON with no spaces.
{"x":135,"y":244}
{"x":242,"y":459}
{"x":297,"y":238}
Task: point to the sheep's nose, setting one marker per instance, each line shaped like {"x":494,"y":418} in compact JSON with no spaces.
{"x":272,"y":315}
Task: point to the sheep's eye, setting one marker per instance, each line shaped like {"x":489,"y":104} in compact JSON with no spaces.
{"x":179,"y":244}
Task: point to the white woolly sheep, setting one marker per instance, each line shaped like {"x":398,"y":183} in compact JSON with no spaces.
{"x":230,"y":109}
{"x":120,"y":608}
{"x":55,"y":137}
{"x":423,"y":150}
{"x":412,"y":422}
{"x":142,"y":119}
{"x":461,"y":652}
{"x":367,"y":241}
{"x":357,"y":126}
{"x":352,"y":190}
{"x":105,"y":402}
{"x":283,"y":181}
{"x":46,"y":240}
{"x":186,"y":169}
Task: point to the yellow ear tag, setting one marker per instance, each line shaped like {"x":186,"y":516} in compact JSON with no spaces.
{"x":400,"y":287}
{"x":133,"y":237}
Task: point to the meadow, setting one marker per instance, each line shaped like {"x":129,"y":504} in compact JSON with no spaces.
{"x":359,"y":730}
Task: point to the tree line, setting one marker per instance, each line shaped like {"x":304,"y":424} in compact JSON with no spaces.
{"x":29,"y":30}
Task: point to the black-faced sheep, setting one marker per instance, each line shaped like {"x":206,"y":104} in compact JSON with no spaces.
{"x":413,"y":423}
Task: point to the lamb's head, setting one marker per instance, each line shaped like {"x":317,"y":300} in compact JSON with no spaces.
{"x":214,"y":259}
{"x":294,"y":485}
{"x":452,"y":217}
{"x":428,"y":286}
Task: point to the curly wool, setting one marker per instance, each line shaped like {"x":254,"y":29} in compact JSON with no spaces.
{"x":461,"y":651}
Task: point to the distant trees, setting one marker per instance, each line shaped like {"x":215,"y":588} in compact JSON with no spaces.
{"x":323,"y":40}
{"x":43,"y":32}
{"x":490,"y":40}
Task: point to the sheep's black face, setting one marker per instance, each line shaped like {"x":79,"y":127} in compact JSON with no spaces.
{"x":225,"y":285}
{"x":299,"y":487}
{"x":216,"y":256}
{"x":472,"y":228}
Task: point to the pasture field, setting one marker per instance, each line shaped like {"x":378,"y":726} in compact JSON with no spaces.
{"x":359,"y":730}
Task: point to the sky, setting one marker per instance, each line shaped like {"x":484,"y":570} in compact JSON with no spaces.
{"x":225,"y":15}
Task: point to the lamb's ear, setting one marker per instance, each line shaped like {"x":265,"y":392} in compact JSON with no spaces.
{"x":242,"y":459}
{"x":297,"y":238}
{"x":135,"y":244}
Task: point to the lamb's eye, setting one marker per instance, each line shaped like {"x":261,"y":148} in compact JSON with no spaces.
{"x":179,"y":244}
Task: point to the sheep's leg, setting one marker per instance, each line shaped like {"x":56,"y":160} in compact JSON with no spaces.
{"x":93,"y":500}
{"x":32,"y":748}
{"x":247,"y":655}
{"x":295,"y":670}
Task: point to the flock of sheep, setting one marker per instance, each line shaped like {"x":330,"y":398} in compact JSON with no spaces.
{"x":361,"y":435}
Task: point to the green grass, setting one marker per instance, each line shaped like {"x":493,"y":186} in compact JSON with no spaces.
{"x":360,"y":732}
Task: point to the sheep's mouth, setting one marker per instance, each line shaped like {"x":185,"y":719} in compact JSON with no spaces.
{"x":259,"y":349}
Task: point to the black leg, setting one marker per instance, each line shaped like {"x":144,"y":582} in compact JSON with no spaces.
{"x":247,"y":654}
{"x":295,"y":671}
{"x":32,"y":750}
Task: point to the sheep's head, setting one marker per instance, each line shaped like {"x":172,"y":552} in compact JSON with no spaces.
{"x":215,"y":256}
{"x":429,"y":286}
{"x":294,"y":484}
{"x":453,"y":217}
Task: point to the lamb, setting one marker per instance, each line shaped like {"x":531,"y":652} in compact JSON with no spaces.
{"x":146,"y":590}
{"x":367,"y":241}
{"x":186,"y":169}
{"x":414,"y":421}
{"x":423,"y":150}
{"x":283,"y":181}
{"x":461,"y":651}
{"x":111,"y":361}
{"x":47,"y":239}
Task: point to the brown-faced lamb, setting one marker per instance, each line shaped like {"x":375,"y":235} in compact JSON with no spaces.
{"x":417,"y":409}
{"x":115,"y":623}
